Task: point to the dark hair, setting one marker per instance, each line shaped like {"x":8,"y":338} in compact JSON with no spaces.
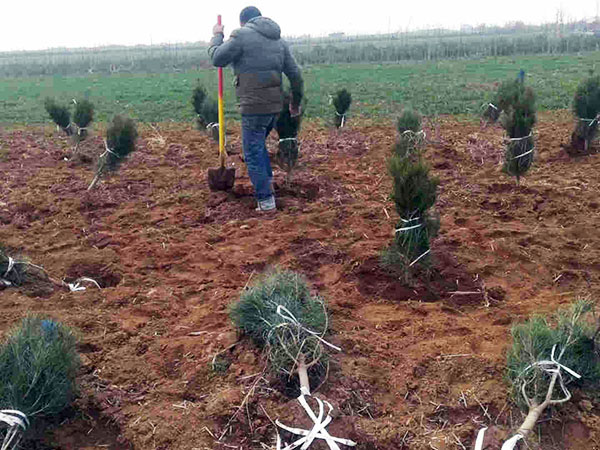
{"x":249,"y":13}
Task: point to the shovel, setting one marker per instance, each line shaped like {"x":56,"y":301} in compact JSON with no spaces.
{"x":221,"y":179}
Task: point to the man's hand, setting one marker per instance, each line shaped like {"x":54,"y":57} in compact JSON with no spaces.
{"x":295,"y":111}
{"x":218,"y":29}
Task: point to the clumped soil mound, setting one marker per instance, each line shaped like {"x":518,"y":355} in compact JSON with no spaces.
{"x":422,"y":364}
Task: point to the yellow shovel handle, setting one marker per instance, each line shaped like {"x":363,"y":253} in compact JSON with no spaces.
{"x":222,"y":152}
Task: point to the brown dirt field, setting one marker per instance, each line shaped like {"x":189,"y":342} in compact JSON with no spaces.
{"x":422,"y":367}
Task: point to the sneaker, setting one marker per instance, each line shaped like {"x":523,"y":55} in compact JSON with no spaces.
{"x":267,"y":204}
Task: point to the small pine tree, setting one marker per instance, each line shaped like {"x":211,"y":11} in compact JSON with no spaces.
{"x":59,"y":114}
{"x":38,"y":366}
{"x":198,"y":97}
{"x":586,"y":106}
{"x":518,"y":119}
{"x":568,"y":338}
{"x":491,"y":112}
{"x":120,"y":142}
{"x":210,"y":116}
{"x":290,"y":346}
{"x":83,"y":116}
{"x":410,"y":135}
{"x":287,"y":128}
{"x":414,"y":194}
{"x":341,"y":102}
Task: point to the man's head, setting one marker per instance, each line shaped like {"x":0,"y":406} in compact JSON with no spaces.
{"x":249,"y":13}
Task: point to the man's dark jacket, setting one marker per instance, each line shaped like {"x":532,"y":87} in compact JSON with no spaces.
{"x":259,"y":56}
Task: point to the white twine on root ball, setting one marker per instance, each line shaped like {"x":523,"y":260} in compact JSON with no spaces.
{"x":417,"y":135}
{"x":17,"y":423}
{"x":79,"y":130}
{"x":108,"y":150}
{"x":318,"y":431}
{"x":591,"y":121}
{"x":419,"y":258}
{"x":401,"y":230}
{"x":524,"y":154}
{"x":77,"y":287}
{"x":343,"y":116}
{"x":212,"y":125}
{"x":287,"y":315}
{"x":508,"y":445}
{"x":288,"y":139}
{"x":489,"y":105}
{"x":409,"y":220}
{"x":521,"y":138}
{"x":550,"y":366}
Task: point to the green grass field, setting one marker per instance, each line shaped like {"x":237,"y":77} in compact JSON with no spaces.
{"x":379,"y":90}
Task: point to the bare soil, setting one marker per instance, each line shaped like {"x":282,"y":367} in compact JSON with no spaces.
{"x":422,"y":364}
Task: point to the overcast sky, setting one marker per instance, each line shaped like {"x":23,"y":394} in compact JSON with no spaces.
{"x":28,"y":25}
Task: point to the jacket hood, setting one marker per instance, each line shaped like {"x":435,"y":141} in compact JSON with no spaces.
{"x":265,"y":26}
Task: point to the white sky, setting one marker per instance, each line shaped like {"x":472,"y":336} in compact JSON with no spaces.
{"x":28,"y":24}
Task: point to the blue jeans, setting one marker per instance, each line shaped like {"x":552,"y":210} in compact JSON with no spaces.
{"x":255,"y":129}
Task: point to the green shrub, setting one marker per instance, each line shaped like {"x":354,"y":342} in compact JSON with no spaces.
{"x":414,"y":193}
{"x":518,"y":119}
{"x":409,"y":120}
{"x":121,"y":135}
{"x":83,"y":116}
{"x":491,"y":112}
{"x":210,"y":116}
{"x":520,"y":116}
{"x":414,"y":190}
{"x":410,"y":135}
{"x":59,"y":114}
{"x":507,"y":94}
{"x":84,"y":113}
{"x":341,"y":102}
{"x":198,"y":97}
{"x":38,"y":365}
{"x":256,"y":315}
{"x":573,"y":331}
{"x":287,"y":128}
{"x":586,"y":106}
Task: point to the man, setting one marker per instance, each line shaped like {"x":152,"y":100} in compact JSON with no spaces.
{"x":259,"y":57}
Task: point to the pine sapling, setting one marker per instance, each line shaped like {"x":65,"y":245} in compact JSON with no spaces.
{"x":120,"y":142}
{"x":547,"y":355}
{"x":198,"y":97}
{"x":19,"y":271}
{"x":210,"y":116}
{"x":83,"y":117}
{"x":586,"y":106}
{"x":410,"y":134}
{"x":287,"y":128}
{"x":414,"y":194}
{"x":282,"y":316}
{"x":491,"y":112}
{"x":59,"y":114}
{"x":38,"y":366}
{"x":518,"y":119}
{"x":341,"y":102}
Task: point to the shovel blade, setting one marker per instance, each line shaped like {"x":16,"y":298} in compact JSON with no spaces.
{"x":221,"y":179}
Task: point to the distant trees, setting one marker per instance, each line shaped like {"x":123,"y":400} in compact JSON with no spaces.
{"x":121,"y":136}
